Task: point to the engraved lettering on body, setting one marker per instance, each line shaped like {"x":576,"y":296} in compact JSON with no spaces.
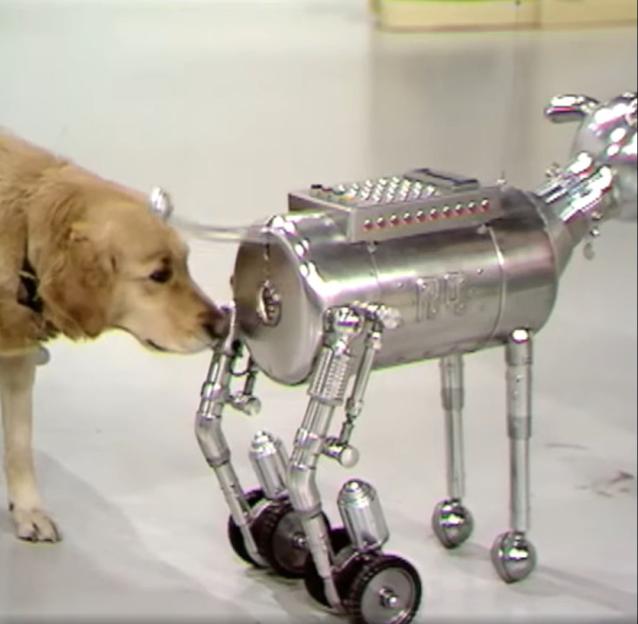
{"x":435,"y":293}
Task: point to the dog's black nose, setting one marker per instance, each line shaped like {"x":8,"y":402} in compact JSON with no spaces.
{"x":216,"y":323}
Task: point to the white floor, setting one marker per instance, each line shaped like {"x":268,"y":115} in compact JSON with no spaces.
{"x":231,"y":105}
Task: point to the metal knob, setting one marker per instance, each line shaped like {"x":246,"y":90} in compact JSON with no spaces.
{"x":160,"y":203}
{"x":346,"y":454}
{"x":247,"y":404}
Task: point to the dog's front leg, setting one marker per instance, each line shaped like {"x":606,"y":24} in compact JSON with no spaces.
{"x":17,"y":376}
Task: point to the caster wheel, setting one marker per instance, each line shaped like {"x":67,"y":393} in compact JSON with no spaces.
{"x":385,"y":590}
{"x":339,"y":540}
{"x":452,"y":523}
{"x":513,"y":556}
{"x":281,"y":539}
{"x":235,"y":537}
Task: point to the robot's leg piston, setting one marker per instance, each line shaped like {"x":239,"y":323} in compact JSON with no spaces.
{"x":327,"y":390}
{"x":514,"y":557}
{"x":452,"y":522}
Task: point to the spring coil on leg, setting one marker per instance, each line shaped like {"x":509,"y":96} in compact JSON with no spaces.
{"x":330,"y":380}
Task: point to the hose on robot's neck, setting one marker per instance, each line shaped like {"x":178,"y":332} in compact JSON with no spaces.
{"x":160,"y":203}
{"x":217,"y":233}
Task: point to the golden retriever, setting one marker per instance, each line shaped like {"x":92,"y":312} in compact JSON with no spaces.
{"x":79,"y":255}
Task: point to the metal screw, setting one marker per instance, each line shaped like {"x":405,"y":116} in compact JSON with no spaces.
{"x":389,"y":599}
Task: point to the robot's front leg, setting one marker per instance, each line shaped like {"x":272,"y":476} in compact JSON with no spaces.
{"x":289,"y":522}
{"x":348,"y":570}
{"x":327,"y":390}
{"x":215,"y":395}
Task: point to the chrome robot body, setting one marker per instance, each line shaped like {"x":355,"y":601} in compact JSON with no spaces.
{"x":463,"y":264}
{"x":463,"y":288}
{"x":371,"y":274}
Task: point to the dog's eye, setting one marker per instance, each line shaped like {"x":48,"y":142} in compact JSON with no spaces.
{"x":161,"y":276}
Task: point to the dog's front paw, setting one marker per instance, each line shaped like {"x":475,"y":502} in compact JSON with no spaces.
{"x":34,"y":525}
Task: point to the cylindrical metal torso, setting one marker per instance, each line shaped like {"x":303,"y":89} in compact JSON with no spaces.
{"x":457,"y":290}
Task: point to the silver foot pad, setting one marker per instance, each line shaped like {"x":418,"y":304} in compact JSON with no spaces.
{"x":452,"y":523}
{"x":513,"y":556}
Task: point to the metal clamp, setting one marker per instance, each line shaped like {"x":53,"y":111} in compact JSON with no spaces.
{"x":246,"y":401}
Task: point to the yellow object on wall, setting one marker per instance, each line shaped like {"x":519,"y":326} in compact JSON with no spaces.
{"x":586,"y":12}
{"x":485,"y":14}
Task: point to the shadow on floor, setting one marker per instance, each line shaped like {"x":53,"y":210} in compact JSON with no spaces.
{"x":100,"y":572}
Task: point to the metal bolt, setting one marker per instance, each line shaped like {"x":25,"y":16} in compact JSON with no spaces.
{"x":389,"y":599}
{"x":299,"y":541}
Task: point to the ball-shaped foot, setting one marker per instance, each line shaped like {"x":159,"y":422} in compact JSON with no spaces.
{"x":513,"y":556}
{"x":452,"y":523}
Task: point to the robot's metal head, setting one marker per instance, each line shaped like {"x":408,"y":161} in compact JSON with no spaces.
{"x":607,"y":138}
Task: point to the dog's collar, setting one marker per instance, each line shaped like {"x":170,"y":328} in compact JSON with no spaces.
{"x":29,"y":296}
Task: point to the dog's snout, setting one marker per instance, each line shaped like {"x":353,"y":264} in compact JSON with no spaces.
{"x":216,"y":322}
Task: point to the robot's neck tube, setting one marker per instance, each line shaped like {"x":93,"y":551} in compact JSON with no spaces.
{"x":580,"y":195}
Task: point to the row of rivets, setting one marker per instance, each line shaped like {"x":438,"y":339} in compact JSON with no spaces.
{"x":433,"y":215}
{"x":383,"y":190}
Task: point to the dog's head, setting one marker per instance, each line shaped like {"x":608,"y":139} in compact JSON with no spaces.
{"x":108,"y":262}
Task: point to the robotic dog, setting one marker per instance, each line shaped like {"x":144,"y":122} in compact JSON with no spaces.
{"x":366,"y":275}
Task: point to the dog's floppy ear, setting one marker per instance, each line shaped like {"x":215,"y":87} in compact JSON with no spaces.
{"x":76,"y":280}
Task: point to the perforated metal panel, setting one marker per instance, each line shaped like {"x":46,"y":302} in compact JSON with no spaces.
{"x":418,"y":202}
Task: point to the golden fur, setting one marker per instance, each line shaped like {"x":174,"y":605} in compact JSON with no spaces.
{"x":101,"y":260}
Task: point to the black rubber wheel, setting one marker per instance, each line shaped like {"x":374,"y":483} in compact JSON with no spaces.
{"x":339,"y":539}
{"x":235,"y":537}
{"x":281,"y":540}
{"x":385,"y":590}
{"x":278,"y":527}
